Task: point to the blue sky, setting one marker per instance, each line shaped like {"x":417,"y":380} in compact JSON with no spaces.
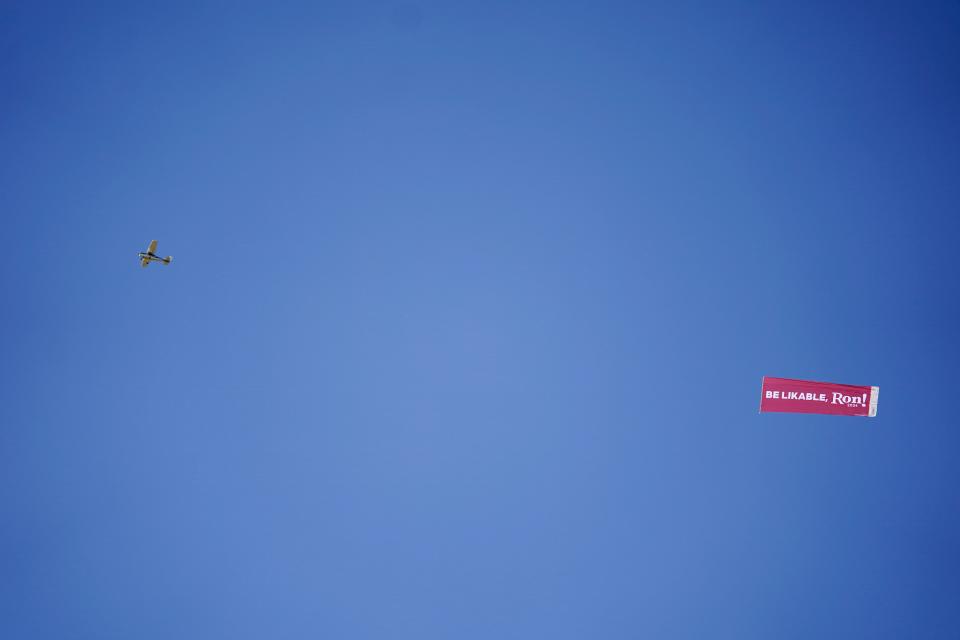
{"x":467,"y":318}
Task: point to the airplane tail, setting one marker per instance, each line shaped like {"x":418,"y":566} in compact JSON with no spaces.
{"x":168,"y":260}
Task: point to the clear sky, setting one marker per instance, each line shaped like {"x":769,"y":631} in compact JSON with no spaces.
{"x":467,"y":318}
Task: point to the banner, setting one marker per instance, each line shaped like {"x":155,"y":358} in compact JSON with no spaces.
{"x":806,"y":396}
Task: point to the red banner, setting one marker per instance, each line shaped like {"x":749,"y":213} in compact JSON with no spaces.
{"x":806,"y":396}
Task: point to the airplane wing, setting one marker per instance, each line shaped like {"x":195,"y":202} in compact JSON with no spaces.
{"x":153,"y":247}
{"x":144,"y":262}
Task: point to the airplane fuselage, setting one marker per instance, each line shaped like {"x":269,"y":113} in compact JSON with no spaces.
{"x":151,"y":257}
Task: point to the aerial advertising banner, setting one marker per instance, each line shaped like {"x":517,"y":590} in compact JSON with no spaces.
{"x":806,"y":396}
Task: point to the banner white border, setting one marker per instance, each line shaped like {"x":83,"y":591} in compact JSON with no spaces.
{"x":874,"y":399}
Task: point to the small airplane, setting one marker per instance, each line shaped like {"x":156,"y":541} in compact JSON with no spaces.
{"x":149,"y":256}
